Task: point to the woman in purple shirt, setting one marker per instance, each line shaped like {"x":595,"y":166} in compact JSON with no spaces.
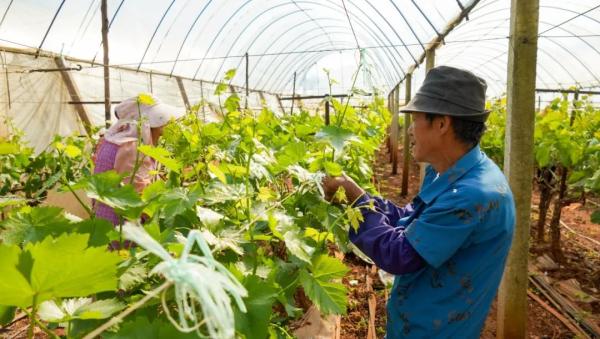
{"x":117,"y":150}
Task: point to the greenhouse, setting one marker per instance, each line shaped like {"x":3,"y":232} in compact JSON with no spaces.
{"x":299,"y":169}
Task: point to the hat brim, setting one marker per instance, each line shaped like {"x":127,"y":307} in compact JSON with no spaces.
{"x":425,"y":104}
{"x":160,"y":114}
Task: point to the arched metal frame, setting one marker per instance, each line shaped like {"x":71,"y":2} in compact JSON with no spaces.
{"x":358,"y":21}
{"x":273,"y":41}
{"x":154,"y":33}
{"x":371,"y":29}
{"x":280,"y":87}
{"x":308,"y":67}
{"x":188,"y":34}
{"x":269,"y":24}
{"x":301,"y":43}
{"x":394,"y":64}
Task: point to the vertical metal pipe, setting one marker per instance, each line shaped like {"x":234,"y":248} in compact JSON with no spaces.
{"x":104,"y":11}
{"x":247,"y":80}
{"x":406,"y":146}
{"x":326,"y":110}
{"x":519,"y":162}
{"x":293,"y":95}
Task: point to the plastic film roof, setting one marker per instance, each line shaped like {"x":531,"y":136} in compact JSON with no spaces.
{"x":202,"y":39}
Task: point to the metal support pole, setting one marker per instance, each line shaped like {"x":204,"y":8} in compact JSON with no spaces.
{"x":150,"y":81}
{"x":326,"y":110}
{"x":293,"y":94}
{"x":519,"y":162}
{"x":7,"y":87}
{"x":247,"y":81}
{"x":74,"y":95}
{"x":406,"y":147}
{"x":184,"y":95}
{"x":104,"y":10}
{"x":202,"y":103}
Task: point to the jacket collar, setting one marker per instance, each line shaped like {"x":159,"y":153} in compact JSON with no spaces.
{"x":455,"y":172}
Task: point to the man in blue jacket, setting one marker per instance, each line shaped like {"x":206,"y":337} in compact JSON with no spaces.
{"x":448,"y":247}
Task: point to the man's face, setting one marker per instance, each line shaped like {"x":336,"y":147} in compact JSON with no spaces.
{"x":423,"y":138}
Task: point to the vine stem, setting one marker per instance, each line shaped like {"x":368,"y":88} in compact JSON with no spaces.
{"x":85,"y":207}
{"x":41,"y":325}
{"x":341,"y":118}
{"x":118,"y":318}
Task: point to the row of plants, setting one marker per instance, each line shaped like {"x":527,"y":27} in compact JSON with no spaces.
{"x":567,"y":158}
{"x":236,"y":233}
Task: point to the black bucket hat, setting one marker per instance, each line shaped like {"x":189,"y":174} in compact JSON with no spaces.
{"x":451,"y":91}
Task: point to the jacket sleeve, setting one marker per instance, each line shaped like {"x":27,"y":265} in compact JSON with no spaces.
{"x":381,"y":241}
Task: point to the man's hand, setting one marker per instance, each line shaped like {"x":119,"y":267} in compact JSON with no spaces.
{"x":332,"y":184}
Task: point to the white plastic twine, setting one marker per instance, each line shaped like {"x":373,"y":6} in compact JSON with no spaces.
{"x":199,"y":281}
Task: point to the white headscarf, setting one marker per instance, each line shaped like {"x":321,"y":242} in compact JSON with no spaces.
{"x":144,"y":108}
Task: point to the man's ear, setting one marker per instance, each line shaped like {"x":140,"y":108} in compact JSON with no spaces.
{"x":444,"y":123}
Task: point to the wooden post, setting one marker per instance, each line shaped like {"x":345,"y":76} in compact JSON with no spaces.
{"x":394,"y":130}
{"x":518,"y":162}
{"x":74,"y":95}
{"x":280,"y":103}
{"x":429,"y":64}
{"x":184,"y":95}
{"x":104,"y":10}
{"x":406,"y":151}
{"x":247,"y":81}
{"x":293,"y":94}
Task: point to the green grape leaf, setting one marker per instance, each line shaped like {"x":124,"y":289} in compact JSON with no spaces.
{"x":332,"y":168}
{"x":355,"y":217}
{"x":261,"y":296}
{"x":221,"y":87}
{"x":106,"y":187}
{"x":218,"y":192}
{"x":100,"y":309}
{"x":7,"y":314}
{"x":328,"y":296}
{"x":55,"y":268}
{"x":8,"y":148}
{"x":133,"y":276}
{"x":208,"y":217}
{"x":97,"y":228}
{"x":142,"y":328}
{"x":161,"y":155}
{"x":72,"y":151}
{"x":291,"y":153}
{"x":230,"y":74}
{"x":78,"y":308}
{"x":33,"y":224}
{"x":216,"y":171}
{"x":283,"y":227}
{"x":232,"y":103}
{"x":11,"y":200}
{"x":14,"y":287}
{"x":542,"y":156}
{"x":174,"y":202}
{"x":337,"y":137}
